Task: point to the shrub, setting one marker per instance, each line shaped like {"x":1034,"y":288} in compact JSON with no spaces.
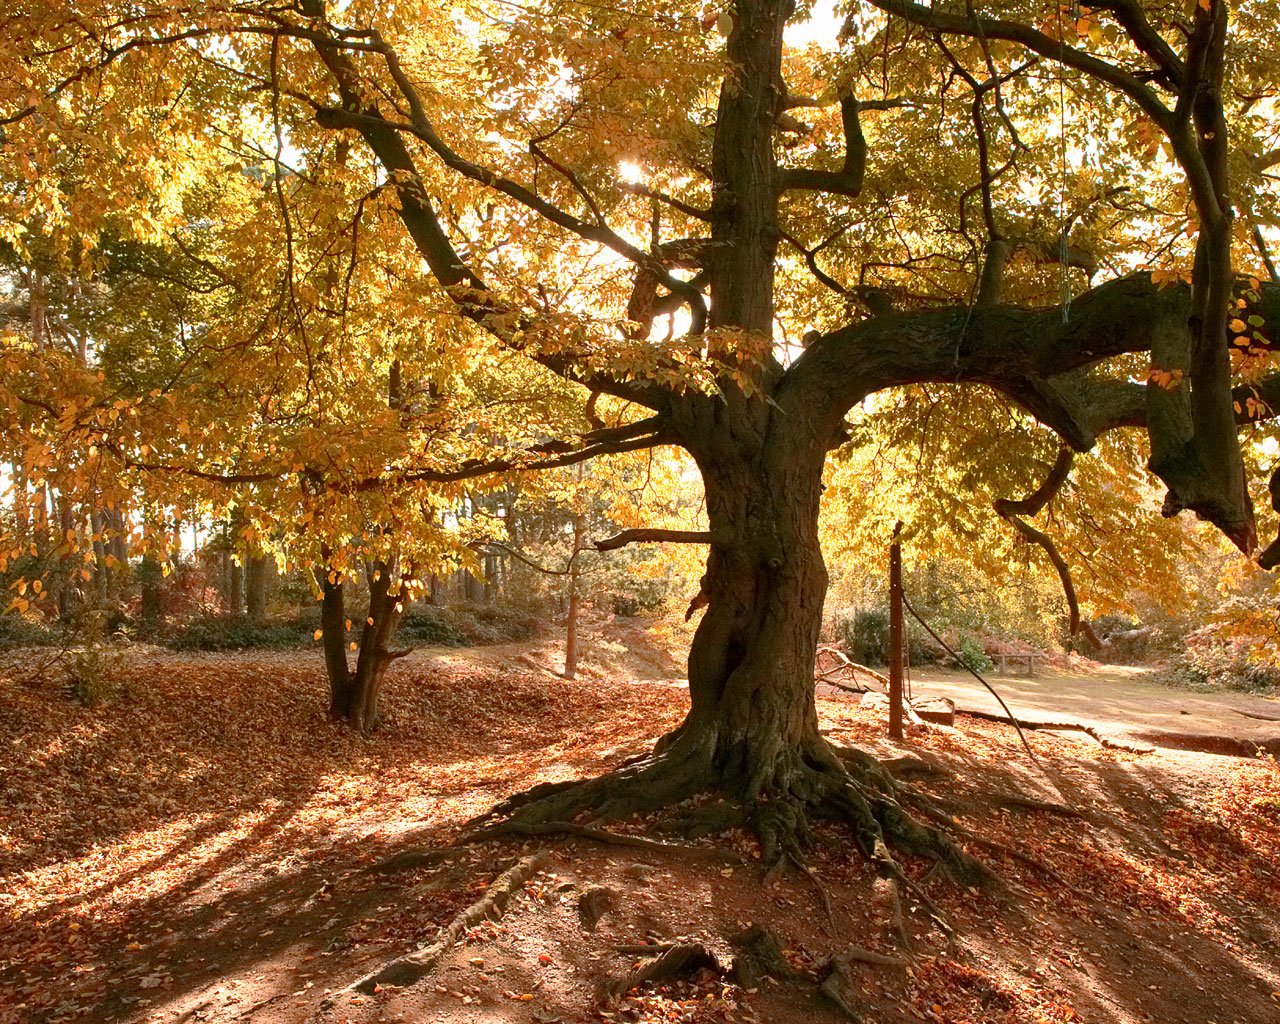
{"x":863,"y":633}
{"x":17,"y":631}
{"x":461,"y":625}
{"x":496,"y":623}
{"x":1212,"y":663}
{"x":466,"y":625}
{"x":94,"y":675}
{"x":432,"y":625}
{"x":226,"y":633}
{"x":972,"y":655}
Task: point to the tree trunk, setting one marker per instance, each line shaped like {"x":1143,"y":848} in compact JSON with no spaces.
{"x":334,"y":638}
{"x":896,"y":638}
{"x":257,"y":579}
{"x":752,"y":727}
{"x":235,"y":592}
{"x":149,"y":577}
{"x":571,"y":618}
{"x":65,"y":595}
{"x":751,"y":662}
{"x":752,"y":720}
{"x":353,"y":693}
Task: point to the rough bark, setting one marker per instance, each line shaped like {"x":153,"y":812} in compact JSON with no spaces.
{"x":386,"y":608}
{"x":571,"y":618}
{"x":235,"y":589}
{"x":354,"y":692}
{"x":333,"y":625}
{"x":752,"y":728}
{"x":257,"y":582}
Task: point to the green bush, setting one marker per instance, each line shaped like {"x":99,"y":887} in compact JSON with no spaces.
{"x":467,"y":625}
{"x":433,"y":625}
{"x":972,"y":655}
{"x":94,"y":675}
{"x":228,"y":633}
{"x":863,"y":633}
{"x":1217,"y":664}
{"x":461,"y":625}
{"x":16,"y":631}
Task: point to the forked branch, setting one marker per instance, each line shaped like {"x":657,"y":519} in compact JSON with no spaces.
{"x":1012,"y":512}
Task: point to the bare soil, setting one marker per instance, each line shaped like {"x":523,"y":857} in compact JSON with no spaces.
{"x":209,"y":847}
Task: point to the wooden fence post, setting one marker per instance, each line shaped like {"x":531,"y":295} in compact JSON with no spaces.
{"x":895,"y":635}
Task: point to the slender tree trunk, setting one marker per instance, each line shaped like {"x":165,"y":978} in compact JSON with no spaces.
{"x":235,"y":592}
{"x":334,"y":638}
{"x":66,"y":525}
{"x":257,"y":578}
{"x":117,"y":545}
{"x":386,"y":608}
{"x":896,"y":640}
{"x":490,"y":576}
{"x":353,"y":693}
{"x":102,"y":572}
{"x":149,"y":576}
{"x":571,"y":619}
{"x":21,"y":501}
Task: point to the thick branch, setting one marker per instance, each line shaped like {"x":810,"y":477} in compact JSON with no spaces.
{"x":1017,"y":351}
{"x":1030,"y":356}
{"x":1133,"y":19}
{"x":598,"y":232}
{"x":1032,"y":504}
{"x":1033,"y":39}
{"x":646,"y":434}
{"x":1013,"y":510}
{"x":461,"y":282}
{"x":654,"y":536}
{"x":848,"y":180}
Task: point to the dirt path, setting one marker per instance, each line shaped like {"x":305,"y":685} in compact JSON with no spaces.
{"x":1123,"y":705}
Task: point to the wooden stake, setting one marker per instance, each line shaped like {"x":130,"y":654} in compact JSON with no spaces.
{"x":895,"y":635}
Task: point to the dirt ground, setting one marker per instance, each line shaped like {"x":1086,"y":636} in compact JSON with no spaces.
{"x":1122,"y":703}
{"x":208,"y":847}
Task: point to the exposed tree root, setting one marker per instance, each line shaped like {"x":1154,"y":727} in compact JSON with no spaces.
{"x":1032,"y":804}
{"x":908,"y":765}
{"x":822,"y":891}
{"x":929,"y":807}
{"x":565,"y":828}
{"x":840,"y":986}
{"x":682,"y":958}
{"x":410,"y":859}
{"x":415,"y":966}
{"x":593,"y":904}
{"x":1025,"y":858}
{"x":1101,"y":738}
{"x":758,"y":956}
{"x":774,"y":792}
{"x":870,"y":956}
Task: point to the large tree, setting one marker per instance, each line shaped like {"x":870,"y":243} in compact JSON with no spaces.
{"x":631,"y":196}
